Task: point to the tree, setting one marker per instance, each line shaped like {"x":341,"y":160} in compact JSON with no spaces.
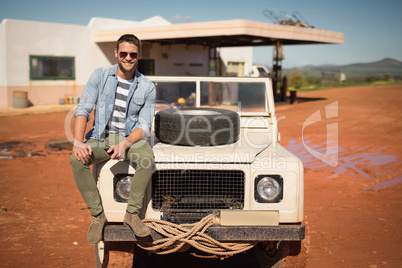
{"x":296,"y":79}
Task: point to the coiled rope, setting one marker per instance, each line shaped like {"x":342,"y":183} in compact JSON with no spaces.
{"x":177,"y":236}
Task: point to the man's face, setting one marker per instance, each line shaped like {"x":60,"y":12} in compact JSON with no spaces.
{"x":127,"y":57}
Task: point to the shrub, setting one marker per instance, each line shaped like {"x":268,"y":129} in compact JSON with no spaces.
{"x":296,"y":79}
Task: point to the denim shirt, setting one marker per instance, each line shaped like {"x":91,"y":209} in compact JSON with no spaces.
{"x":100,"y":92}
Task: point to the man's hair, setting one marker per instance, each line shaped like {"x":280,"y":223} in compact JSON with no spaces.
{"x":130,"y":38}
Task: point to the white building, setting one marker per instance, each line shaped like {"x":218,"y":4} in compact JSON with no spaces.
{"x":51,"y":61}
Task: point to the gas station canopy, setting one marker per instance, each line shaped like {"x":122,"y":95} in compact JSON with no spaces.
{"x":228,"y":33}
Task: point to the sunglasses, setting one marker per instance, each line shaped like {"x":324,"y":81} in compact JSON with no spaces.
{"x":123,"y":55}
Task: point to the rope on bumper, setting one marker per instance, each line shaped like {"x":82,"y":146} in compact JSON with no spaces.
{"x":178,"y":236}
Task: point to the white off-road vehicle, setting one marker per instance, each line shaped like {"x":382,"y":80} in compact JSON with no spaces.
{"x":222,"y":183}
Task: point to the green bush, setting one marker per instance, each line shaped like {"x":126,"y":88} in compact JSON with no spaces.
{"x":297,"y":80}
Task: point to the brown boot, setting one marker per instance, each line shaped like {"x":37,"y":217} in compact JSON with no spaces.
{"x":138,"y":227}
{"x":95,"y":231}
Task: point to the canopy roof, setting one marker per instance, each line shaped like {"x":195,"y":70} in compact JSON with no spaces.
{"x":227,"y":33}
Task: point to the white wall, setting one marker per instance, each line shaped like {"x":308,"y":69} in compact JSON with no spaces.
{"x":3,"y":80}
{"x":106,"y":23}
{"x":3,"y":69}
{"x":46,"y":39}
{"x":103,"y":53}
{"x":238,"y":54}
{"x":170,"y":60}
{"x":179,"y":60}
{"x":24,"y":38}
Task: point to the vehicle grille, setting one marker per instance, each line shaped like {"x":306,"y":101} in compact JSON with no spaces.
{"x":186,"y":196}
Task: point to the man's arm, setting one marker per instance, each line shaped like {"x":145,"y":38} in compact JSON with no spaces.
{"x":119,"y":149}
{"x":146,"y":114}
{"x":135,"y":135}
{"x":89,"y":96}
{"x":81,"y":151}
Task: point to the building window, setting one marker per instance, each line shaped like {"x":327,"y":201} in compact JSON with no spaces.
{"x":146,"y":67}
{"x":236,"y":67}
{"x":52,"y":68}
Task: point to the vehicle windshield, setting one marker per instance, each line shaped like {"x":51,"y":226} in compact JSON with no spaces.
{"x":240,"y":95}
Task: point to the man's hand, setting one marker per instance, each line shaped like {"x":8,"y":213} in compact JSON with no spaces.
{"x":119,"y":150}
{"x":82,"y":152}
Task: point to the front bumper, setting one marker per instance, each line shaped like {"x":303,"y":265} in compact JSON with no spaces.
{"x":283,"y":232}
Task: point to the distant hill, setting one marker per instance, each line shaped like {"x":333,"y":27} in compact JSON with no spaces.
{"x":385,"y":66}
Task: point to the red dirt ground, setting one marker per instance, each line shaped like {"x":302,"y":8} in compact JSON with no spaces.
{"x":353,"y":212}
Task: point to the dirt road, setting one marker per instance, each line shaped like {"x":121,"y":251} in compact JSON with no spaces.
{"x":353,"y":185}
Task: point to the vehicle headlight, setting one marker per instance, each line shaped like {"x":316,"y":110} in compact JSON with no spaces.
{"x":268,"y":189}
{"x":122,"y":187}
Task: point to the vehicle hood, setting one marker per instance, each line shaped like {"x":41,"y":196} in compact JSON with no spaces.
{"x":244,"y":150}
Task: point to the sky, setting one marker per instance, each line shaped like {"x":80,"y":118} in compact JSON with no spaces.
{"x":372,"y":28}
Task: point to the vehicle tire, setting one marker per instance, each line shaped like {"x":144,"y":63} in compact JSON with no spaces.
{"x":114,"y":254}
{"x":271,"y":257}
{"x":197,"y":126}
{"x":298,"y":254}
{"x":299,"y":251}
{"x":99,"y":254}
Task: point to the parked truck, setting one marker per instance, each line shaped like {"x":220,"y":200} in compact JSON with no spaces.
{"x":222,"y":183}
{"x":259,"y":71}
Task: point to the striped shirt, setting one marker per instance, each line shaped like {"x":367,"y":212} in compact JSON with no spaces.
{"x":117,"y":121}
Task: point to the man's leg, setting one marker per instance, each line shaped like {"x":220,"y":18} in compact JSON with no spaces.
{"x":84,"y":179}
{"x":87,"y":186}
{"x":141,"y":157}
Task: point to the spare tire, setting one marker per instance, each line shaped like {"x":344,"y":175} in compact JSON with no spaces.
{"x":197,"y":126}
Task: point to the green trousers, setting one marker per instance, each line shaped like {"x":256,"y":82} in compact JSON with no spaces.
{"x":141,"y":157}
